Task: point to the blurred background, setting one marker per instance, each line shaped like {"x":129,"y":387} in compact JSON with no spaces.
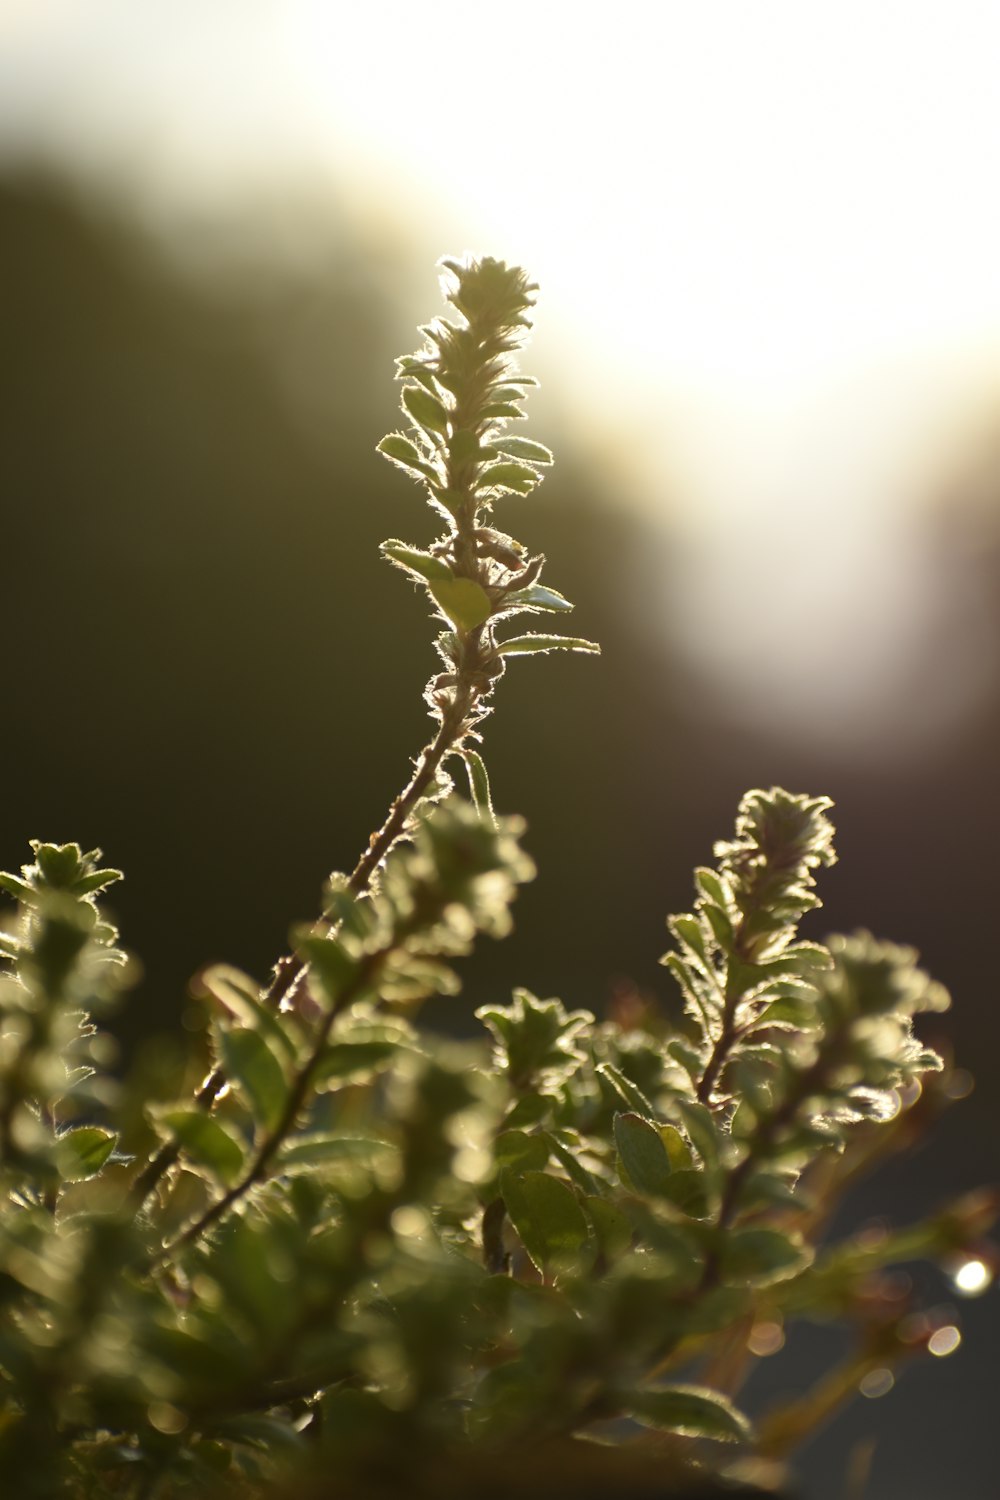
{"x":769,"y":339}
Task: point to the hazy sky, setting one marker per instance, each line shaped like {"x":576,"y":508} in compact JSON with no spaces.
{"x":767,"y":228}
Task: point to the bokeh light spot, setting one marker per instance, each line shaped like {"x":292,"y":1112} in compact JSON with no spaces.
{"x":945,"y":1341}
{"x":877,"y":1383}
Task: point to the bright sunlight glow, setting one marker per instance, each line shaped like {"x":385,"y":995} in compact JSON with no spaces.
{"x":765,"y":233}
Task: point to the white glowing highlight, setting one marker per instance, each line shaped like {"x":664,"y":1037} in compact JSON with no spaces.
{"x":799,"y":299}
{"x":972,"y":1278}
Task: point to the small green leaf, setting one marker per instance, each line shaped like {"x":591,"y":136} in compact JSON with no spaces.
{"x":643,"y":1154}
{"x":752,"y":1081}
{"x":762,"y":1256}
{"x":537,"y":597}
{"x":415,"y":560}
{"x":507,"y":476}
{"x":415,"y":365}
{"x":518,"y":1150}
{"x":238,"y":994}
{"x":721,"y":925}
{"x":677,"y":1147}
{"x":701,"y":996}
{"x":520,"y":645}
{"x":811,"y":957}
{"x":463,"y":600}
{"x":355,"y":1062}
{"x":303,"y":1153}
{"x":623,"y":1092}
{"x":689,"y":1057}
{"x":529,"y":1110}
{"x":249,"y":1063}
{"x":691,"y":1411}
{"x":407,"y":455}
{"x":700,"y":1125}
{"x":789,"y":1011}
{"x":96,"y":880}
{"x":550,"y":1222}
{"x":768,"y":1188}
{"x":425,"y":409}
{"x":60,"y":865}
{"x":479,"y":783}
{"x":515,"y":387}
{"x":688,"y":930}
{"x":82,"y":1152}
{"x":406,"y":976}
{"x":205,"y":1142}
{"x":711,"y":885}
{"x":495,"y":409}
{"x":519,"y":447}
{"x":574,"y":1170}
{"x":328,"y":959}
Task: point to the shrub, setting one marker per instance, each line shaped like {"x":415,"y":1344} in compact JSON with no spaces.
{"x":359,"y":1250}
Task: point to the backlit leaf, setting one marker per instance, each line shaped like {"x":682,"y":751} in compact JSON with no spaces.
{"x":465,"y":602}
{"x":425,"y":409}
{"x":761,"y":1256}
{"x":537,"y":597}
{"x":549,"y":1220}
{"x":249,"y":1063}
{"x":82,"y":1152}
{"x":205,"y":1142}
{"x":521,"y":645}
{"x":508,"y":476}
{"x":416,"y":560}
{"x":643,"y":1154}
{"x":520,"y":447}
{"x":518,"y":1150}
{"x":238,"y":994}
{"x":692,"y":1411}
{"x":407,"y":455}
{"x":304,"y":1153}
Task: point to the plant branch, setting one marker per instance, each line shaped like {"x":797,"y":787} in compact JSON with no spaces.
{"x":290,"y":971}
{"x":726,"y":1038}
{"x":297,"y":1095}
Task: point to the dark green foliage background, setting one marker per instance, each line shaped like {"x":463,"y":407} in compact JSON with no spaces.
{"x":208,"y":670}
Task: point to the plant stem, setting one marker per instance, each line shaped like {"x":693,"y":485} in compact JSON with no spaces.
{"x":459,"y":706}
{"x":727,"y":1036}
{"x":806,"y":1084}
{"x":731,"y":996}
{"x":290,"y":971}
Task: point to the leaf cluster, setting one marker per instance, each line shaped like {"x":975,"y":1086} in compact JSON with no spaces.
{"x":461,"y":391}
{"x":357,"y":1248}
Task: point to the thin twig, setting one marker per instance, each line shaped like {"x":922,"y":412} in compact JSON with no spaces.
{"x":459,"y":707}
{"x":290,"y":971}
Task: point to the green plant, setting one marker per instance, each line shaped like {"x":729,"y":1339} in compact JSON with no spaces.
{"x":358,"y":1250}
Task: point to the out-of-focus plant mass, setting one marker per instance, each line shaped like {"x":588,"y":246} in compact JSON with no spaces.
{"x":354,"y":1254}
